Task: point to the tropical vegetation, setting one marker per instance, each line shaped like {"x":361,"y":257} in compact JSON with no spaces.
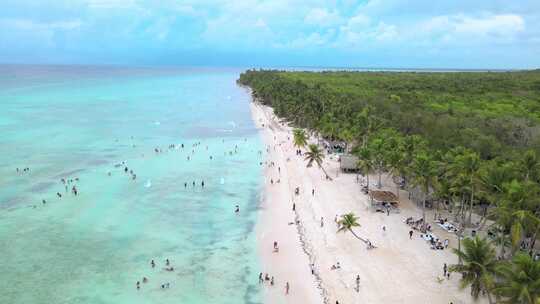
{"x":464,"y":142}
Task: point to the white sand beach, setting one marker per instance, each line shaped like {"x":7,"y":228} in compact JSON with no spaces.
{"x":399,"y":270}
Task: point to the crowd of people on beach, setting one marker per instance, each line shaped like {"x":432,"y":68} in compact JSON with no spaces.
{"x":424,"y":229}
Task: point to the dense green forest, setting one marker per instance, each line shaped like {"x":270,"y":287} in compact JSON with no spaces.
{"x":469,"y":141}
{"x":492,"y":113}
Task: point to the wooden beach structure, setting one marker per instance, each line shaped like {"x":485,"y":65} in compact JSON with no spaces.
{"x":382,"y":201}
{"x":348,"y":163}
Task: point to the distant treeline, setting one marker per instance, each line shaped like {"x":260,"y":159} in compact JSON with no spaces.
{"x":493,"y":113}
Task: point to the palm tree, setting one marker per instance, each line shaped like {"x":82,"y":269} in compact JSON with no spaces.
{"x":394,"y":159}
{"x":469,"y":164}
{"x":377,"y":146}
{"x":365,"y":163}
{"x":530,"y":164}
{"x":299,"y":138}
{"x":315,"y":155}
{"x":424,"y":173}
{"x":347,"y":223}
{"x":478,"y":268}
{"x":501,"y":240}
{"x":515,"y":215}
{"x":520,"y":280}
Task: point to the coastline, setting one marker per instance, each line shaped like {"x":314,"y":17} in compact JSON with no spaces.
{"x":400,"y":270}
{"x":291,"y":263}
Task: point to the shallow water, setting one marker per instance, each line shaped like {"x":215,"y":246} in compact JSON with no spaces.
{"x":78,"y":122}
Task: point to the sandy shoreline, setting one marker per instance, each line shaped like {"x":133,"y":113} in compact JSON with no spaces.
{"x":400,"y":270}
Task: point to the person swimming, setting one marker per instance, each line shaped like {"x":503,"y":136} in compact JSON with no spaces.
{"x":237,"y":209}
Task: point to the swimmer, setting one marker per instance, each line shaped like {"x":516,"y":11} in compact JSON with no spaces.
{"x":237,"y":209}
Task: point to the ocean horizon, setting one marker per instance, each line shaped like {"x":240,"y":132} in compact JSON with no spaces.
{"x":136,"y":144}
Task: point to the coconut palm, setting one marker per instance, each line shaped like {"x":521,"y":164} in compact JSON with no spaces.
{"x":517,"y":212}
{"x":378,"y":147}
{"x":502,"y":241}
{"x":519,"y":280}
{"x":530,"y":164}
{"x":469,"y":164}
{"x":478,"y":268}
{"x":394,"y":160}
{"x":315,"y":155}
{"x":299,"y":138}
{"x":347,"y":223}
{"x":424,"y":173}
{"x":365,"y":163}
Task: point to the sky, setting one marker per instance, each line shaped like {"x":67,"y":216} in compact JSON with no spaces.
{"x":273,"y":33}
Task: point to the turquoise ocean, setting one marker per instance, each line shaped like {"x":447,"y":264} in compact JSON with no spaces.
{"x":86,"y":125}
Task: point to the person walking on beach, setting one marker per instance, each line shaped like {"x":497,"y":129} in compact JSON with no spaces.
{"x":293,"y":207}
{"x":312,"y":192}
{"x":287,"y":287}
{"x":322,"y":222}
{"x":410,"y":234}
{"x":445,"y":269}
{"x":358,"y":283}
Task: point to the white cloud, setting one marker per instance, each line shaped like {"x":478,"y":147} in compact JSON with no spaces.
{"x":312,"y":40}
{"x":322,"y":17}
{"x":498,"y":25}
{"x":491,"y":25}
{"x":260,"y":23}
{"x":359,"y":21}
{"x":111,"y":4}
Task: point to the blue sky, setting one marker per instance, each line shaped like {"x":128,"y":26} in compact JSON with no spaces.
{"x":346,"y":33}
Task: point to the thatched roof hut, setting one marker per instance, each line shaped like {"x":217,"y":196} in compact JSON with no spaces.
{"x":383,"y":196}
{"x":383,"y":200}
